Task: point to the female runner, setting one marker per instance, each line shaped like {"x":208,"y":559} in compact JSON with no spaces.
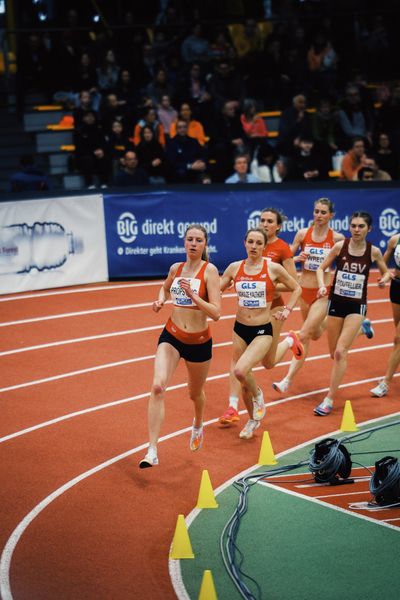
{"x":315,"y":243}
{"x":255,"y":279}
{"x":271,"y":220}
{"x":195,"y":291}
{"x":348,"y":296}
{"x":393,"y":248}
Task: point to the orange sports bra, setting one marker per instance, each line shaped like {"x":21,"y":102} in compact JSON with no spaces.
{"x":197,"y":283}
{"x":254,"y":291}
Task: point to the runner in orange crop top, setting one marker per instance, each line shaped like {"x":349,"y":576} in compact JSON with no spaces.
{"x":315,"y":243}
{"x":255,"y":279}
{"x":278,"y":251}
{"x":194,"y":285}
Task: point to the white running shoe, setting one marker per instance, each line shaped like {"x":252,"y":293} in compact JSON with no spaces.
{"x":281,"y":386}
{"x":150,"y":460}
{"x":249,"y":429}
{"x":380,"y":390}
{"x":259,"y":406}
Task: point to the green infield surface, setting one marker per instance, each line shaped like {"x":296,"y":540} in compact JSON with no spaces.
{"x":300,"y":539}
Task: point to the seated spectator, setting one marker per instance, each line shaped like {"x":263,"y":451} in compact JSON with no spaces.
{"x":324,"y":123}
{"x":86,"y":76}
{"x":386,"y":157}
{"x":321,"y":62}
{"x":128,"y":94}
{"x":371,"y":172}
{"x":87,"y":102}
{"x":195,"y":128}
{"x":221,"y":47}
{"x":241,"y":175}
{"x":266,"y":165}
{"x":193,"y":88}
{"x":227,"y":139}
{"x":353,"y":161}
{"x":112,"y":110}
{"x":354,"y":118}
{"x":308,"y":162}
{"x":151,"y":156}
{"x":91,"y":151}
{"x":225,"y":84}
{"x":119,"y":144}
{"x":253,"y":125}
{"x":159,"y":87}
{"x":166,"y":113}
{"x":150,"y":120}
{"x":28,"y":177}
{"x":108,"y":73}
{"x":294,"y":122}
{"x":186,"y":157}
{"x":130,"y":173}
{"x":195,"y":47}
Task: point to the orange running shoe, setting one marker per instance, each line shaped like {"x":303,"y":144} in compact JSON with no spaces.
{"x":297,"y":347}
{"x":196,"y":439}
{"x":231,"y":416}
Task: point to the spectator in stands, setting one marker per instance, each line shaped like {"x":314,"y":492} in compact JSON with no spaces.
{"x":128,"y":93}
{"x":308,"y":162}
{"x":293,"y":123}
{"x":221,"y":48}
{"x":354,"y":117}
{"x":265,"y":165}
{"x":119,"y":144}
{"x":389,"y":116}
{"x":241,"y":174}
{"x":193,"y":88}
{"x":108,"y":72}
{"x":159,"y":87}
{"x":386,"y":157}
{"x":186,"y":157}
{"x":253,"y":125}
{"x":321,"y":63}
{"x":195,"y":47}
{"x":324,"y":123}
{"x":225,"y":84}
{"x":353,"y":161}
{"x":112,"y":110}
{"x":248,"y":41}
{"x":195,"y":128}
{"x":91,"y":151}
{"x":87,"y":102}
{"x":371,"y":172}
{"x":151,"y":156}
{"x":130,"y":173}
{"x":227,"y":139}
{"x":28,"y":177}
{"x":85,"y":76}
{"x":166,"y":113}
{"x":149,"y":119}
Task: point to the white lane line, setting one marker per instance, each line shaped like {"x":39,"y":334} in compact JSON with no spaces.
{"x":343,"y":494}
{"x":116,"y":308}
{"x":150,"y":357}
{"x":85,"y":411}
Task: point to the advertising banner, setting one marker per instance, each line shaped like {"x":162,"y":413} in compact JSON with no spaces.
{"x":145,"y":231}
{"x":53,"y":242}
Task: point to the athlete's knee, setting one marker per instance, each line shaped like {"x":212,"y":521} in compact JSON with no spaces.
{"x":268,"y":363}
{"x":240,"y":374}
{"x":157,"y":389}
{"x":340,"y":354}
{"x":396,"y":340}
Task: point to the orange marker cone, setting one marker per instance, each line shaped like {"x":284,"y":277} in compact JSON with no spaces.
{"x":267,"y":456}
{"x":181,"y":546}
{"x":207,"y":589}
{"x":206,"y":497}
{"x":348,"y":422}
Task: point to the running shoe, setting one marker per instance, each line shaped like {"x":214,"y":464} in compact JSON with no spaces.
{"x":367,"y":329}
{"x":297,"y":347}
{"x":249,"y":429}
{"x":259,"y":406}
{"x":150,"y":460}
{"x":196,"y":439}
{"x":281,"y":386}
{"x":323,"y":409}
{"x":380,"y":390}
{"x":230,"y":416}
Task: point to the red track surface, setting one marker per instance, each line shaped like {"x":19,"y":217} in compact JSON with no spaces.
{"x":108,"y":536}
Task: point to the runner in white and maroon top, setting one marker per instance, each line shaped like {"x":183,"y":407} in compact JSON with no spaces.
{"x":348,"y":296}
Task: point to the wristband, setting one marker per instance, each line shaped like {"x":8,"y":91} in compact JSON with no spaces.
{"x":287,"y":308}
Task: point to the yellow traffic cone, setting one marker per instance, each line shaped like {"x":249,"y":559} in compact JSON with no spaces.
{"x":207,"y":589}
{"x":348,"y":422}
{"x":267,"y":456}
{"x":206,"y":497}
{"x":181,"y":546}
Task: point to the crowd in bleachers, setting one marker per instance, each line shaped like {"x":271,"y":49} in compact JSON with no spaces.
{"x":169,"y":104}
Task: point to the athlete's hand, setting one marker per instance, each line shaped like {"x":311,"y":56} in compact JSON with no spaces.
{"x":322,"y":292}
{"x":302,"y":257}
{"x":157,"y":306}
{"x":381,"y":282}
{"x":185,"y":285}
{"x":282,"y":315}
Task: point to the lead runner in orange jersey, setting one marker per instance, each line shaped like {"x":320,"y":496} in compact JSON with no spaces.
{"x":278,"y":251}
{"x":255,"y":279}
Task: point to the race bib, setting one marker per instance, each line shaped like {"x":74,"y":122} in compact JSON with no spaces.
{"x":179,"y":297}
{"x":252,"y":294}
{"x":349,"y":285}
{"x":315,"y":257}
